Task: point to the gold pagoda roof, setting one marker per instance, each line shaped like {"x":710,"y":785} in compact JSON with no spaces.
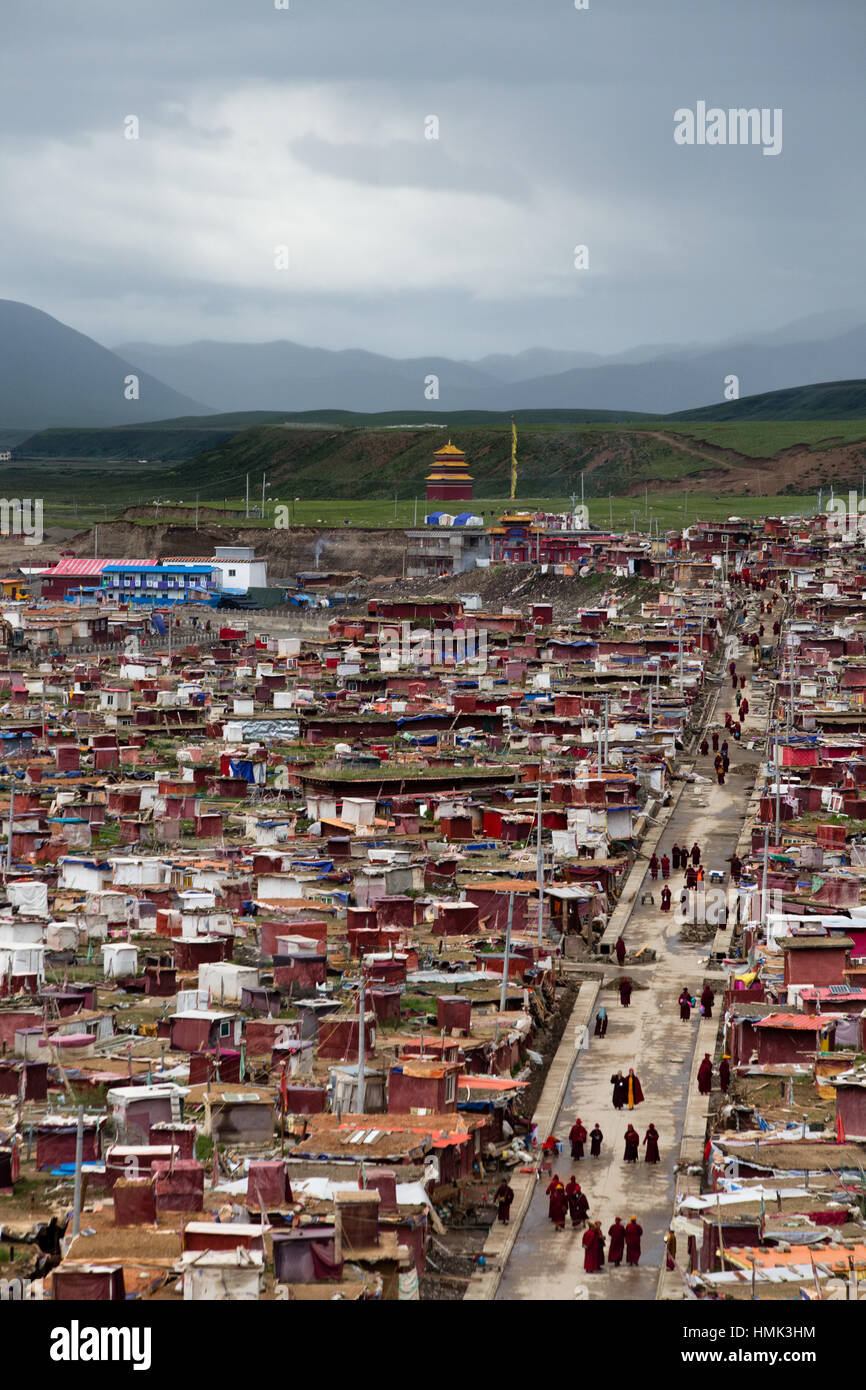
{"x":449,"y":466}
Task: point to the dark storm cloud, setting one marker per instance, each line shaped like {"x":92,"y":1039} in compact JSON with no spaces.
{"x":262,"y":127}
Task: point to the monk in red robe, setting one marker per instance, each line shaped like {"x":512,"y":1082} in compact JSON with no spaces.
{"x":620,"y":1090}
{"x":634,"y":1093}
{"x":705,"y":748}
{"x":554,"y":1183}
{"x":651,"y":1139}
{"x":503,"y":1197}
{"x":593,"y":1250}
{"x":616,"y":1249}
{"x":558,"y":1207}
{"x":666,"y":867}
{"x":578,"y":1205}
{"x":675,"y":856}
{"x":577,"y":1135}
{"x":666,"y":899}
{"x":600,"y":1234}
{"x":625,"y":991}
{"x":705,"y":1075}
{"x":696,"y":854}
{"x":632,"y":1139}
{"x":595,"y":1138}
{"x":633,"y":1233}
{"x":620,"y":951}
{"x":670,"y":1250}
{"x":685,"y":1003}
{"x":654,"y":867}
{"x":715,"y":741}
{"x":708,"y":998}
{"x":724,"y":1074}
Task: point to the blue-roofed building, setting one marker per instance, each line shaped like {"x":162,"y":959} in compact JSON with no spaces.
{"x":143,"y":582}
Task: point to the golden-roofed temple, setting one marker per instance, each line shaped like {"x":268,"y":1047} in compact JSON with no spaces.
{"x":449,"y":480}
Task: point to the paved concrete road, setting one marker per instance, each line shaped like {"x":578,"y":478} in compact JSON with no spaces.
{"x":650,"y":1037}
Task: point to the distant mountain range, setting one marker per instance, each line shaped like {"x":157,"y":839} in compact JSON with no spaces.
{"x":51,"y":375}
{"x":285,"y":375}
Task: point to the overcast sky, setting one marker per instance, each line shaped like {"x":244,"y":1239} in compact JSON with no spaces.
{"x":306,"y":128}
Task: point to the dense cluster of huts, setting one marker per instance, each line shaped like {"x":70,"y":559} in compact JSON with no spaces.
{"x":285,"y":923}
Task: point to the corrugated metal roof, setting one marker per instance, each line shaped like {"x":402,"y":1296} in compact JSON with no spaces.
{"x":79,"y":567}
{"x":803,"y":1023}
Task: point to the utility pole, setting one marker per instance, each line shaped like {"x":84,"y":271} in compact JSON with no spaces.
{"x":606,"y":732}
{"x":196,"y":511}
{"x":539,"y":862}
{"x":503,"y":992}
{"x":362,"y":1061}
{"x":263,"y":495}
{"x":764,"y":893}
{"x":790,"y":716}
{"x":650,"y":709}
{"x":79,"y":1154}
{"x":96,"y":542}
{"x":415,"y":517}
{"x":610,"y":507}
{"x":248,"y":497}
{"x":776,"y":766}
{"x":11,"y":822}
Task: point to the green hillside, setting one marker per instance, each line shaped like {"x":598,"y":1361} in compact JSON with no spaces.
{"x":349,"y":463}
{"x":734,"y":449}
{"x":829,"y":400}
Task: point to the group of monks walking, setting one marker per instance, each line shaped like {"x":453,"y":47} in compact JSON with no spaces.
{"x":705,"y":1075}
{"x":679,"y":857}
{"x":689,"y":860}
{"x":567,"y":1200}
{"x":578,"y":1136}
{"x":627,"y":1090}
{"x":687,"y":1002}
{"x":632,"y":1140}
{"x":623,"y":1240}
